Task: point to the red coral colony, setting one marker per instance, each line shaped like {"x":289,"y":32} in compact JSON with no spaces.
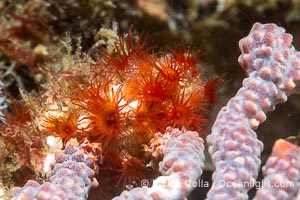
{"x":120,"y":99}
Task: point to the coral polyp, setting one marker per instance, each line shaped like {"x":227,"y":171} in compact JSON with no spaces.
{"x":120,"y":100}
{"x":131,"y":171}
{"x":23,"y":145}
{"x":187,"y":112}
{"x":63,"y":126}
{"x":128,"y":51}
{"x":103,"y":106}
{"x":178,"y":67}
{"x":92,"y":109}
{"x":150,"y":88}
{"x":124,"y":97}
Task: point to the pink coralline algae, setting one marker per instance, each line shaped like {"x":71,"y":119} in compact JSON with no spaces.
{"x":71,"y":178}
{"x":273,"y":69}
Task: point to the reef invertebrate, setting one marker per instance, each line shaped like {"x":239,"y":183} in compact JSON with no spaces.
{"x":104,"y":107}
{"x":187,"y":112}
{"x":281,"y":172}
{"x":131,"y":171}
{"x":178,"y":66}
{"x":119,"y":101}
{"x":149,"y":87}
{"x":272,"y":66}
{"x":64,"y":126}
{"x":182,"y":164}
{"x":211,"y":88}
{"x":128,"y":51}
{"x":22,"y":142}
{"x":72,"y":175}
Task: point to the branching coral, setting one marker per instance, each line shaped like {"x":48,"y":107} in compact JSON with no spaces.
{"x":182,"y":164}
{"x":71,"y":177}
{"x":272,"y":66}
{"x":124,"y":100}
{"x":281,"y":172}
{"x":120,"y":100}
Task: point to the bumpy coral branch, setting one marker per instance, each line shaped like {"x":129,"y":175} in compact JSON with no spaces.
{"x":71,"y":176}
{"x":282,"y":173}
{"x":182,"y":164}
{"x":273,"y":67}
